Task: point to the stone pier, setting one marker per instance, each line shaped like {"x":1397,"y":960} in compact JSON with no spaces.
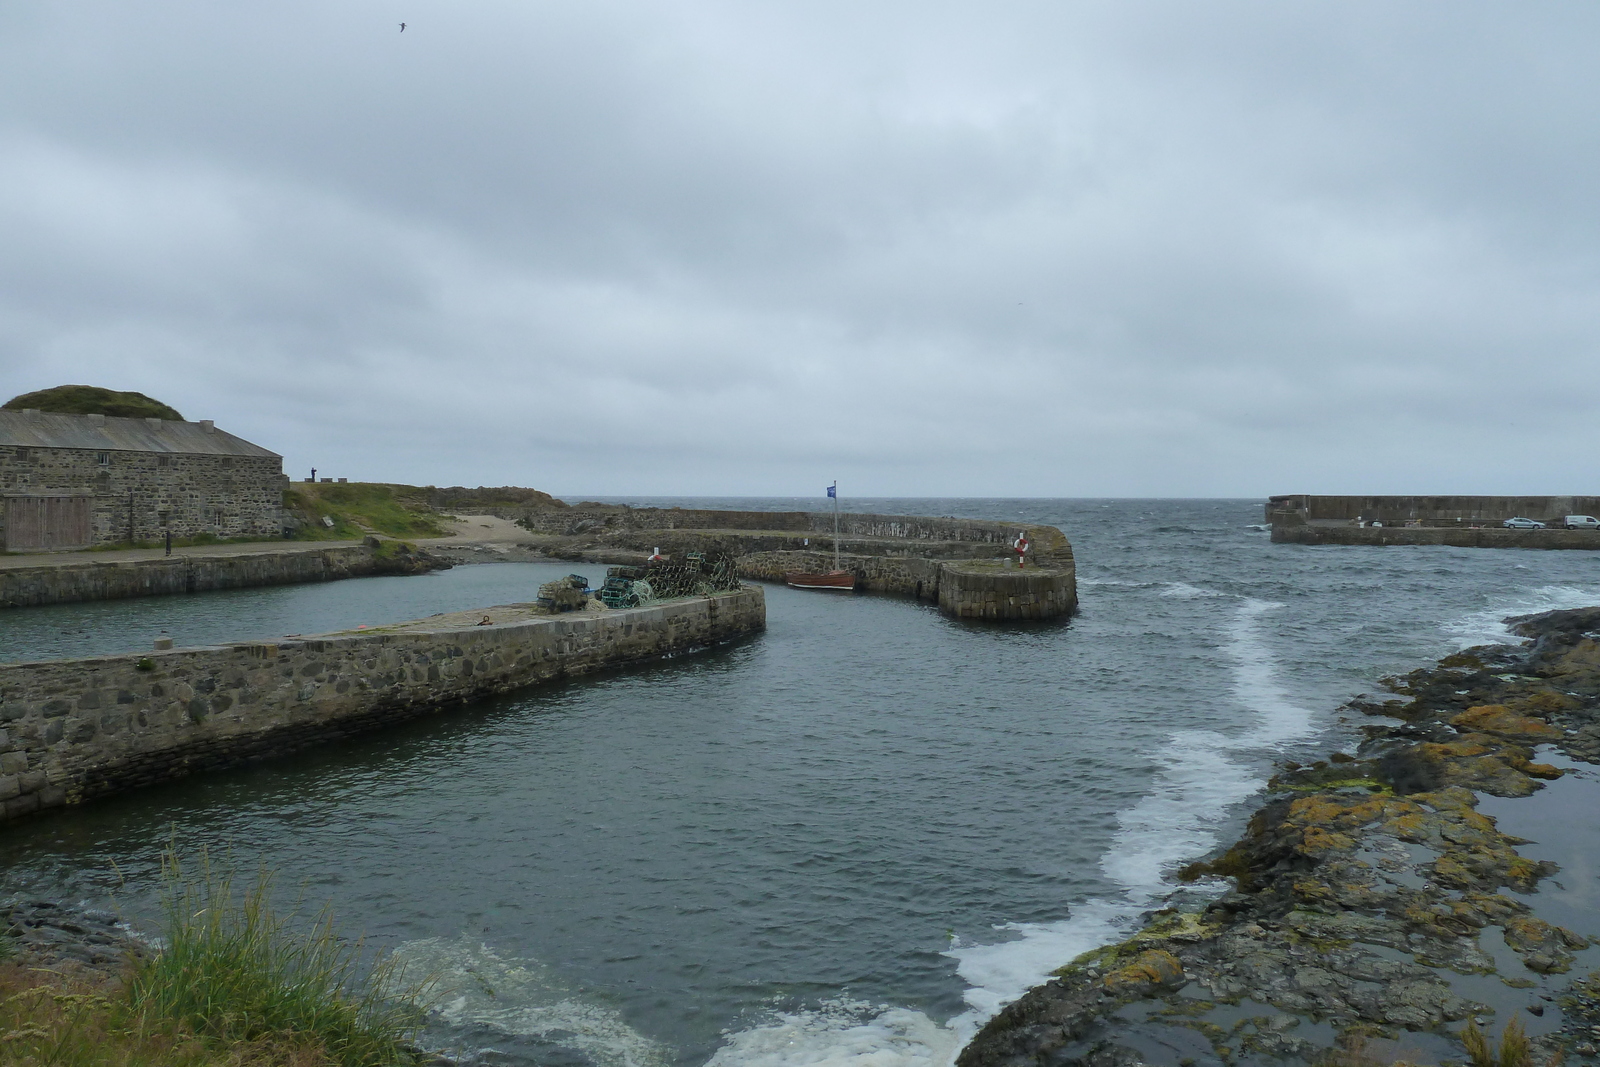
{"x":964,"y":588}
{"x":987,"y":589}
{"x":73,"y":730}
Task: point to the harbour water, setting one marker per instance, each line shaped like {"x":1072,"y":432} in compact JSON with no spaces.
{"x":104,"y":627}
{"x":847,"y":840}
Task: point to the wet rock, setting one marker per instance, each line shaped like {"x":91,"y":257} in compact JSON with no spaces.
{"x":1544,"y":948}
{"x":1151,"y":970}
{"x":1499,"y":719}
{"x":48,"y":934}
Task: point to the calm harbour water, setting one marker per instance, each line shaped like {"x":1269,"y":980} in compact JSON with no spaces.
{"x":853,"y":836}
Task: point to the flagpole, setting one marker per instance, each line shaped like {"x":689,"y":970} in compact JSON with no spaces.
{"x":835,"y":495}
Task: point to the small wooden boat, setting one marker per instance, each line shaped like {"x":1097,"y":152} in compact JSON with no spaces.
{"x":832,"y":580}
{"x":838,"y":578}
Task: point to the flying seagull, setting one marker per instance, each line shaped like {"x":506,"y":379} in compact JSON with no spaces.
{"x":402,"y":27}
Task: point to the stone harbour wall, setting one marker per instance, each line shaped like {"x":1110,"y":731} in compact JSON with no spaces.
{"x":986,"y":591}
{"x":91,"y":579}
{"x":1296,"y":508}
{"x":906,"y":575}
{"x":1488,"y":537}
{"x":578,"y":521}
{"x":963,"y":588}
{"x":74,"y":730}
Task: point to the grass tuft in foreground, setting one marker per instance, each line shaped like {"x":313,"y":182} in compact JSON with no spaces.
{"x":233,"y":970}
{"x":47,"y":1020}
{"x":1514,"y":1050}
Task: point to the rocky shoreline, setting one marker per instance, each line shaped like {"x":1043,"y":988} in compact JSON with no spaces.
{"x":81,"y":942}
{"x":1371,"y":906}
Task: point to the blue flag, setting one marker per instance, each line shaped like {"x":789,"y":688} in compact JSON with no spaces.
{"x":833,"y":491}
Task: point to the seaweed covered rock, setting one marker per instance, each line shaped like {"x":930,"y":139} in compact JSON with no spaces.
{"x":398,"y":557}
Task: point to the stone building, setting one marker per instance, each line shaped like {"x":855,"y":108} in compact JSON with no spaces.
{"x":74,"y":481}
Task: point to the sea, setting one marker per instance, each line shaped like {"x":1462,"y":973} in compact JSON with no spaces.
{"x":848,"y":840}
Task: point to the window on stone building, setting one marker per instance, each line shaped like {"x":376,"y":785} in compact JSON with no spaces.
{"x":227,"y":461}
{"x":103,"y":458}
{"x":163,"y":461}
{"x":23,"y":455}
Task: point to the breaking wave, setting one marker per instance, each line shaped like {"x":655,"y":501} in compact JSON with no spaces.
{"x":1487,"y":626}
{"x":483,"y":994}
{"x":1198,"y":779}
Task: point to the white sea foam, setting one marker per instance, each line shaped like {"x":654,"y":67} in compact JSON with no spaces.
{"x":1197,"y":780}
{"x":842,"y":1032}
{"x":1487,"y":627}
{"x":1172,"y":823}
{"x":1185,"y":591}
{"x":479,"y":988}
{"x":1000,"y":973}
{"x":1256,"y":681}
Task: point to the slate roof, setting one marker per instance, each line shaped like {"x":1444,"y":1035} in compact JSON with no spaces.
{"x":104,"y":433}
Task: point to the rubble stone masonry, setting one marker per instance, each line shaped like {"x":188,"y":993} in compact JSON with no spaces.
{"x":73,"y":730}
{"x":229,"y":496}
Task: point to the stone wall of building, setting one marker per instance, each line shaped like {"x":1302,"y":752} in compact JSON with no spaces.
{"x":73,"y":730}
{"x":147,"y":493}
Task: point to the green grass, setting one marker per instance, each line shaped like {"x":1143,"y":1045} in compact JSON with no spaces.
{"x":48,"y":1018}
{"x":93,"y":400}
{"x":359,"y":508}
{"x":234,"y":971}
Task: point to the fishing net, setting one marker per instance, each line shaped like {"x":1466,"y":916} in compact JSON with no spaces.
{"x":696,"y":574}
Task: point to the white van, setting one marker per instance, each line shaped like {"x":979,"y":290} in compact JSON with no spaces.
{"x":1581,"y":522}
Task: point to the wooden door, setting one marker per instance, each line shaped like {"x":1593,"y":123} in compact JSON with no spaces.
{"x":35,"y":522}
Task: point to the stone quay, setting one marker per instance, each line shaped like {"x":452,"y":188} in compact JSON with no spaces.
{"x":74,"y":730}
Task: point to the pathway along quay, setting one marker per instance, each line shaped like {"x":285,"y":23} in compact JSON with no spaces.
{"x":73,"y":730}
{"x":74,"y":577}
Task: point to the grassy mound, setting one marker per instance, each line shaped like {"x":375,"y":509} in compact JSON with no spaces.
{"x":92,"y":400}
{"x":360,"y":508}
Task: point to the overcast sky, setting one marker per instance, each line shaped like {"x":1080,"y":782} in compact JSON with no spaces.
{"x":700,"y":247}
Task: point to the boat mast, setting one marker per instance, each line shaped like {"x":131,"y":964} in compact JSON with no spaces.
{"x":835,"y":495}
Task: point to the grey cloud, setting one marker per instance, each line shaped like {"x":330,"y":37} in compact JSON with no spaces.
{"x":707,"y":247}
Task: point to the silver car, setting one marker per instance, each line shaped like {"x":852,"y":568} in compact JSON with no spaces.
{"x":1519,"y":523}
